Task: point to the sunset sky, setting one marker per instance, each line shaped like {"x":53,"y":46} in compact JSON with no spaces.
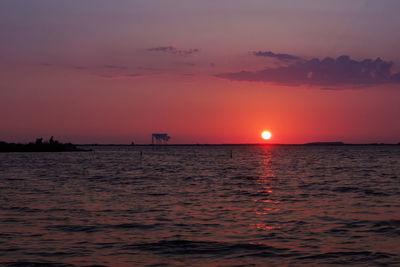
{"x":206,"y":71}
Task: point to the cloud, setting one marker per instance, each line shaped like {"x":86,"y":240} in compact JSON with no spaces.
{"x":118,"y":75}
{"x":283,"y":57}
{"x":174,"y":50}
{"x":396,"y":77}
{"x":329,"y":72}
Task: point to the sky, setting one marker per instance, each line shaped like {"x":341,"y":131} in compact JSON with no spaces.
{"x":203,"y":71}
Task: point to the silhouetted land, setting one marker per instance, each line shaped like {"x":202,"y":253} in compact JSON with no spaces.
{"x":56,"y":146}
{"x":251,"y":144}
{"x":39,"y":146}
{"x":325,"y":144}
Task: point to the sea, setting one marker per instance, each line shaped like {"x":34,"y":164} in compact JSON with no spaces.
{"x":242,"y":205}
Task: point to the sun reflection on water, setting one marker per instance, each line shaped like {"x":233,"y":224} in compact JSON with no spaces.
{"x":266,"y":204}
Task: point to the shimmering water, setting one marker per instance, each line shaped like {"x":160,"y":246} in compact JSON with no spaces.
{"x":197,"y":206}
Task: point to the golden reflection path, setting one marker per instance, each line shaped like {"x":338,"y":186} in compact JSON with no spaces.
{"x":266,"y":205}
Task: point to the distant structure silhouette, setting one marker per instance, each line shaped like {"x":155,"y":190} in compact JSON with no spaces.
{"x":159,"y":138}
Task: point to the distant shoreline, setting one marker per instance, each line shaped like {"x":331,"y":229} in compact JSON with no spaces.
{"x":248,"y":144}
{"x":68,"y":147}
{"x":39,"y":146}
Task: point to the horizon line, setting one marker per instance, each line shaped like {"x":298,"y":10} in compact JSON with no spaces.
{"x":244,"y":144}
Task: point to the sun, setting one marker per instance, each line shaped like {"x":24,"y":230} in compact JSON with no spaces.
{"x":266,"y":135}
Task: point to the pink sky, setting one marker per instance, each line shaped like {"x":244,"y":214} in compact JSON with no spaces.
{"x":202,"y":71}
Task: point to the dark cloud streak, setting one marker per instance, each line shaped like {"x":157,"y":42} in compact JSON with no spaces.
{"x":328,"y":72}
{"x":283,"y":57}
{"x":173,"y":50}
{"x":119,"y":76}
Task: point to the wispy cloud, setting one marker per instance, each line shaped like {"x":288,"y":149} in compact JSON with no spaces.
{"x":283,"y":57}
{"x":173,"y":50}
{"x":327,"y":73}
{"x":107,"y":71}
{"x":119,"y":76}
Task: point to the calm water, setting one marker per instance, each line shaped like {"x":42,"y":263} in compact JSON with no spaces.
{"x":197,"y":206}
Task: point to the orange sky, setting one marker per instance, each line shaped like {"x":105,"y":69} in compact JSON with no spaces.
{"x":117,"y":72}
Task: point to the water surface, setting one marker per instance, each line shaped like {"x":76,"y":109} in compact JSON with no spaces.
{"x":198,"y":206}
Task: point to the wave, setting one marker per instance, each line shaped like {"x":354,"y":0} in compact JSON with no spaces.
{"x":101,"y":227}
{"x":186,"y":247}
{"x":354,"y":257}
{"x":35,"y":264}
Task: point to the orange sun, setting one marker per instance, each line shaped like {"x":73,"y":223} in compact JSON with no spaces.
{"x":266,"y":135}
